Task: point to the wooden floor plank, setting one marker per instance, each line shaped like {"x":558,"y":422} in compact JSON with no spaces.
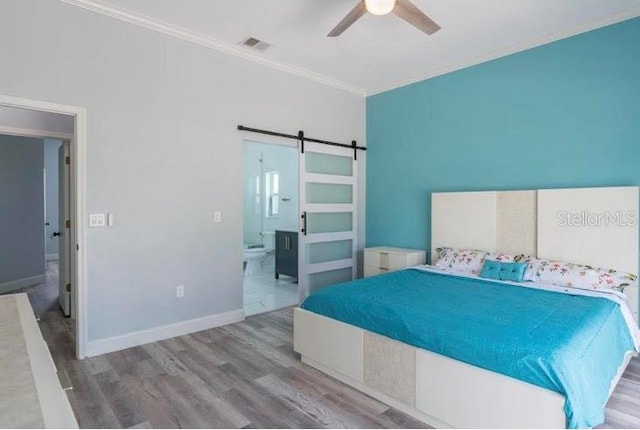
{"x":119,"y":399}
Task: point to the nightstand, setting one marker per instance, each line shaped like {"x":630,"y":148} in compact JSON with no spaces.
{"x":383,"y":259}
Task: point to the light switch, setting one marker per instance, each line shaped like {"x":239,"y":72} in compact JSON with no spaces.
{"x":97,"y":220}
{"x":217,"y":216}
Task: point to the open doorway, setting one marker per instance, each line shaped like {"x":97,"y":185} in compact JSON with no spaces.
{"x":35,"y":185}
{"x":270,"y":227}
{"x":41,"y":179}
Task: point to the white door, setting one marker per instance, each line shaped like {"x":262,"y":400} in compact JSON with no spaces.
{"x":327,"y":251}
{"x":64,"y":242}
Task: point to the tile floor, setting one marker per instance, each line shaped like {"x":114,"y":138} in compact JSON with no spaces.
{"x":263,"y":293}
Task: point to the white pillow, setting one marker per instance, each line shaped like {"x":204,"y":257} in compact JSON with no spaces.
{"x":461,"y":260}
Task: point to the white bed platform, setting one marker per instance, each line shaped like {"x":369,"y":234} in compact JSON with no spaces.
{"x":444,"y":392}
{"x":435,"y":389}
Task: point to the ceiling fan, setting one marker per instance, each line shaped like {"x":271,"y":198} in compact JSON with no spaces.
{"x":403,"y":8}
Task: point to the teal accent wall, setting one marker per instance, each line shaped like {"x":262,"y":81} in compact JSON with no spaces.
{"x":566,"y":114}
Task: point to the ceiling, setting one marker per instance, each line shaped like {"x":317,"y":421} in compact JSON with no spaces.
{"x":378,"y":52}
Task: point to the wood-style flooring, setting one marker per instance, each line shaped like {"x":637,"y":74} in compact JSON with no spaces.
{"x":241,"y":375}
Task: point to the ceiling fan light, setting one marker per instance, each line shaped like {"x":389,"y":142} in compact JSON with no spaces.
{"x":380,"y":7}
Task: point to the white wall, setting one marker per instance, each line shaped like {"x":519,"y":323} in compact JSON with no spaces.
{"x":163,"y":152}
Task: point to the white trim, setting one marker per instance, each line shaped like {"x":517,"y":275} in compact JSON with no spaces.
{"x":330,"y":237}
{"x":79,"y":210}
{"x":5,"y":287}
{"x":51,"y":257}
{"x":331,"y":179}
{"x":142,"y":337}
{"x":207,"y":41}
{"x":330,"y":265}
{"x":330,"y":207}
{"x":30,"y":132}
{"x":508,"y":50}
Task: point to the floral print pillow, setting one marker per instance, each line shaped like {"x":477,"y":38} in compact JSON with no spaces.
{"x":615,"y":280}
{"x":575,"y":275}
{"x":461,"y":260}
{"x":566,"y":274}
{"x":499,"y":256}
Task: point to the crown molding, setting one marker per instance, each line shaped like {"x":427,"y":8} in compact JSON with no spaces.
{"x":151,"y":23}
{"x":513,"y":49}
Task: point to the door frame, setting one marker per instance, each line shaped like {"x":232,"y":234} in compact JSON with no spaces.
{"x":78,"y":197}
{"x":247,"y":137}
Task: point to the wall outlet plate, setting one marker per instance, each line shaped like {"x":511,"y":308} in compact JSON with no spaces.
{"x":180,"y":291}
{"x":97,"y":220}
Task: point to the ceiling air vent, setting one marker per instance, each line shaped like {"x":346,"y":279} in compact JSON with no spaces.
{"x":253,"y":43}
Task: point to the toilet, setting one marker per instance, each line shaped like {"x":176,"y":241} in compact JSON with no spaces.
{"x":253,"y":258}
{"x":254,"y":255}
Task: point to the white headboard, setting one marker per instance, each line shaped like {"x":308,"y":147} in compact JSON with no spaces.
{"x":503,"y":221}
{"x":590,"y":226}
{"x":595,"y":226}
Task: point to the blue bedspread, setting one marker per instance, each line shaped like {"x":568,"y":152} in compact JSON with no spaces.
{"x":569,"y":344}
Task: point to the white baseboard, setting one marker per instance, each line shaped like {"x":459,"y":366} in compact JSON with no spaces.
{"x":22,"y":283}
{"x":129,"y":340}
{"x":51,"y":257}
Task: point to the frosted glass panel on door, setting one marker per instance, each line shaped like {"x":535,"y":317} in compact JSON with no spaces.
{"x":322,"y":252}
{"x":328,"y":164}
{"x":323,"y":279}
{"x":329,"y":222}
{"x":329,"y":193}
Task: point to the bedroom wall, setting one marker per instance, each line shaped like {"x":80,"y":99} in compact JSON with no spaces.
{"x":561,"y":115}
{"x":21,"y":209}
{"x":163,"y":154}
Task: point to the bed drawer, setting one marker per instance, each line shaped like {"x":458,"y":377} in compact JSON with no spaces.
{"x":320,"y":338}
{"x":490,"y":400}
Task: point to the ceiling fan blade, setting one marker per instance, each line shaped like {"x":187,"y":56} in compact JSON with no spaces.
{"x":414,"y":16}
{"x":348,"y":20}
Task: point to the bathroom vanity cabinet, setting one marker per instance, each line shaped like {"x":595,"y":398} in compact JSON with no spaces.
{"x":286,"y":253}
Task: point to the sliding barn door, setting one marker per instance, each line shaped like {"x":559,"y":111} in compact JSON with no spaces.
{"x":327,"y":252}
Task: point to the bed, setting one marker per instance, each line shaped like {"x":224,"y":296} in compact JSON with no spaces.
{"x":470,"y":362}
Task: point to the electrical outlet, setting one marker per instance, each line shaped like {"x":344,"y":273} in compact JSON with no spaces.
{"x":217,"y":216}
{"x":180,"y":291}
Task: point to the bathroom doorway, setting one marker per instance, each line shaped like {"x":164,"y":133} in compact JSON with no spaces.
{"x":270,"y":226}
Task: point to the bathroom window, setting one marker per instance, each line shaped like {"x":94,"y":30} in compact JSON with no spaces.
{"x":272,"y":182}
